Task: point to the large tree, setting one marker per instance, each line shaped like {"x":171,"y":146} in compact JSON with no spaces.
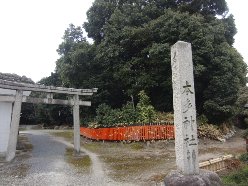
{"x":131,"y":52}
{"x":142,"y":11}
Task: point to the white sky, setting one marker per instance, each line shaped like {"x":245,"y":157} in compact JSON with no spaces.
{"x":31,"y":30}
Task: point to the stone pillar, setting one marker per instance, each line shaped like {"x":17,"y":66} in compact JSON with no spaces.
{"x":186,"y":141}
{"x":5,"y":119}
{"x":14,"y":126}
{"x":76,"y":122}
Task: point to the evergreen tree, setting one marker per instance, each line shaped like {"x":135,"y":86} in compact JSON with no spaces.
{"x":131,"y":52}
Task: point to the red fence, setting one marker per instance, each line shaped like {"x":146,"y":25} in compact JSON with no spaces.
{"x":134,"y":133}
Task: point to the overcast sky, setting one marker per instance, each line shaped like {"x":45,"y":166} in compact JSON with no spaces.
{"x":31,"y":31}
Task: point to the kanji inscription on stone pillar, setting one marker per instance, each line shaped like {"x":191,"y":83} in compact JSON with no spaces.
{"x":186,"y":141}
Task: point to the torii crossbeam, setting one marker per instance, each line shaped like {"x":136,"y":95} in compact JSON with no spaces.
{"x":12,"y":92}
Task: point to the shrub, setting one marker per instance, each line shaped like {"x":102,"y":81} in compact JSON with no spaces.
{"x":244,"y":157}
{"x":202,"y":120}
{"x":106,"y":116}
{"x":129,"y":114}
{"x":146,"y":111}
{"x":164,"y":117}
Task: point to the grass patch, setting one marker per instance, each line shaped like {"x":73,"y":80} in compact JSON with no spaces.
{"x":93,"y":147}
{"x":82,"y":163}
{"x":237,"y":177}
{"x":124,"y":167}
{"x":136,"y":146}
{"x":132,"y":162}
{"x":100,"y":147}
{"x":23,"y":144}
{"x":68,"y":134}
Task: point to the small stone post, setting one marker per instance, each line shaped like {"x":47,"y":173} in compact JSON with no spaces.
{"x":14,"y":126}
{"x":186,"y":141}
{"x":76,"y":122}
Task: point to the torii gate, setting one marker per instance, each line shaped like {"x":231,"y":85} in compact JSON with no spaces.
{"x":14,"y":92}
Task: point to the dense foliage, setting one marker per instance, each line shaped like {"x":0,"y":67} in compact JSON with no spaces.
{"x":48,"y":115}
{"x":242,"y":112}
{"x":244,"y":157}
{"x":52,"y":114}
{"x":145,"y":109}
{"x":131,"y":52}
{"x":127,"y":115}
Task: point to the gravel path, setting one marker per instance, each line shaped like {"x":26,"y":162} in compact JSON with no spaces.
{"x":47,"y":166}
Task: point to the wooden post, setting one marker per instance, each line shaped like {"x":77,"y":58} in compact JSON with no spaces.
{"x":76,"y":122}
{"x":14,"y":126}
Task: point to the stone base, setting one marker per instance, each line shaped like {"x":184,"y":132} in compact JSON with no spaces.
{"x":204,"y":178}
